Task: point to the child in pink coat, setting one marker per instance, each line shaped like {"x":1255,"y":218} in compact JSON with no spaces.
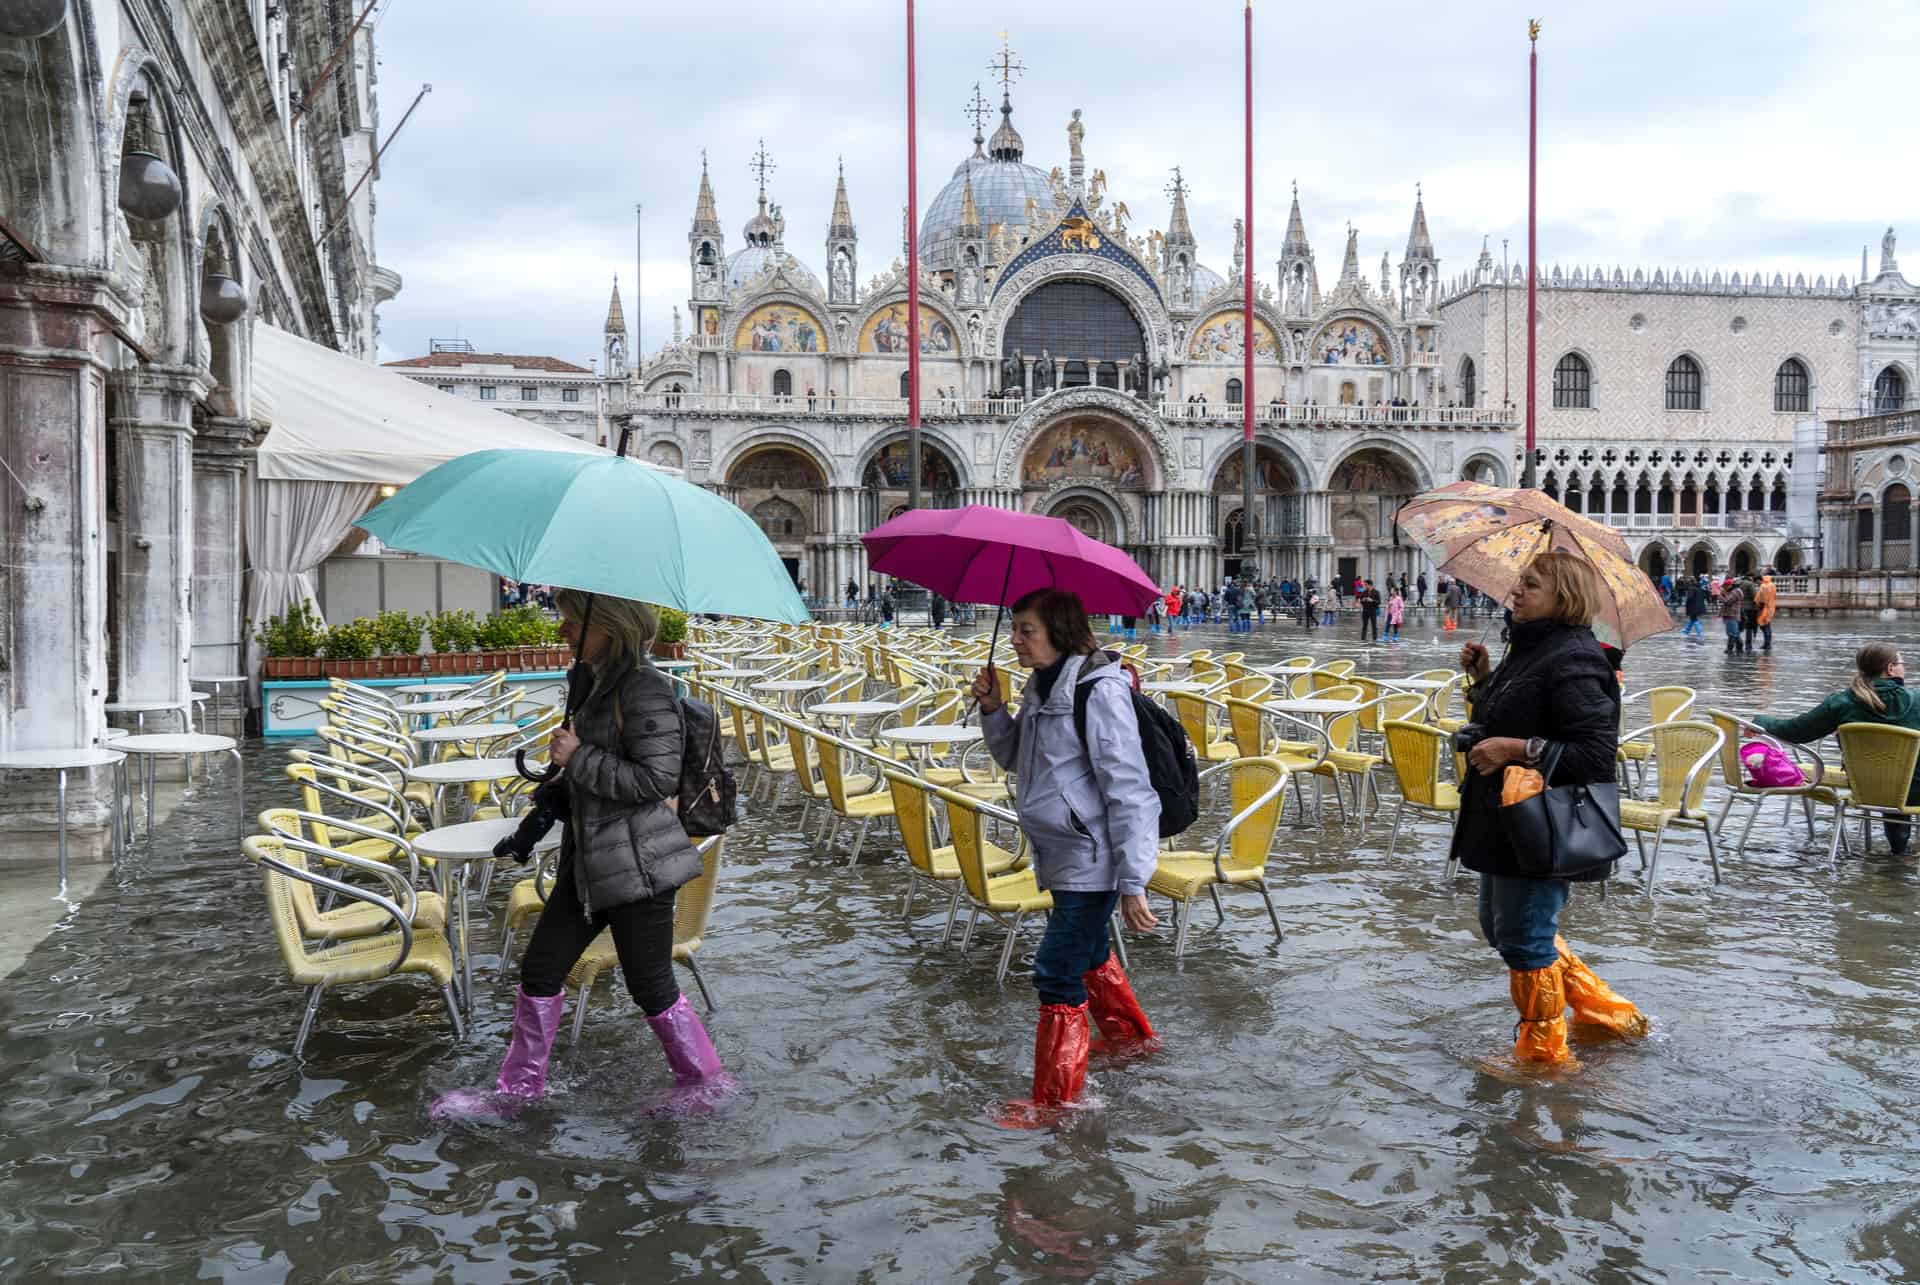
{"x":1396,"y":608}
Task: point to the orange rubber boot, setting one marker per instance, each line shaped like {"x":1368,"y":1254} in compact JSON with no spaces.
{"x":1541,"y":998}
{"x":1595,"y":1003}
{"x":1111,"y":1004}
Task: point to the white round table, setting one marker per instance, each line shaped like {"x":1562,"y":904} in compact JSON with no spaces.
{"x":427,"y":689}
{"x":162,"y":745}
{"x":787,"y":688}
{"x":62,"y":762}
{"x":847,"y":711}
{"x":1415,"y":684}
{"x":1312,"y":705}
{"x":220,"y":683}
{"x":140,"y":710}
{"x":922,"y":739}
{"x":462,"y":772}
{"x":673,"y":666}
{"x":429,"y":709}
{"x":1161,"y":686}
{"x":461,"y":846}
{"x":730,"y":673}
{"x":454,"y":732}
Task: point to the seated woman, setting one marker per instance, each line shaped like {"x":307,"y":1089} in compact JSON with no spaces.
{"x":1878,"y":694}
{"x":1554,"y":690}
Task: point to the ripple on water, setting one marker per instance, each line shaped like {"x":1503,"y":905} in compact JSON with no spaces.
{"x":1337,"y":1105}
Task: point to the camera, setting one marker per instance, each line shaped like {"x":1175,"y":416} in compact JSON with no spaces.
{"x":552,"y":803}
{"x":1467,"y":737}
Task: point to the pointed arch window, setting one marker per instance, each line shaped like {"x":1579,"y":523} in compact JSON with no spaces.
{"x":1790,"y":386}
{"x":1469,"y":383}
{"x":1233,"y":392}
{"x":905,"y":391}
{"x":783,"y":383}
{"x":1572,"y":383}
{"x":1683,"y":384}
{"x":1890,"y":390}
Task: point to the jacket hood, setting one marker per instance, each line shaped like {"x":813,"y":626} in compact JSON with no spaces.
{"x":1899,"y":701}
{"x":1097,"y":666}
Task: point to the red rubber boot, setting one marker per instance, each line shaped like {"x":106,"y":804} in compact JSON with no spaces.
{"x":1059,"y":1066}
{"x":1113,"y":1008}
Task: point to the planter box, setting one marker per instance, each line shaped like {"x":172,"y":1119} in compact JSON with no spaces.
{"x":670,"y":651}
{"x":400,"y":666}
{"x":290,"y":667}
{"x":349,"y":668}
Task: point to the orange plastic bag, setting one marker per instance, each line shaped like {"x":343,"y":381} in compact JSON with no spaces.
{"x":1520,"y":783}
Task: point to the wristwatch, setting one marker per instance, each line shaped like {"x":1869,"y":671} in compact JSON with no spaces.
{"x":1536,"y":750}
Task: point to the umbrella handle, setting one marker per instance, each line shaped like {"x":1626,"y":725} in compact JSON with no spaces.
{"x":546,"y":774}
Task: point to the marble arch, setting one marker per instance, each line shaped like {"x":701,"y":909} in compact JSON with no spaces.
{"x":1229,"y":310}
{"x":1396,"y":355}
{"x":50,"y":135}
{"x":1422,"y":477}
{"x":1090,"y":494}
{"x":1229,"y":451}
{"x":1135,"y":293}
{"x":897,"y":297}
{"x":1491,"y":460}
{"x":760,"y":439}
{"x":1096,"y":402}
{"x":829,"y":338}
{"x":930,"y":438}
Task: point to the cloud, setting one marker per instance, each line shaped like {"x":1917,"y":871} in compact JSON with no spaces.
{"x":1720,"y":136}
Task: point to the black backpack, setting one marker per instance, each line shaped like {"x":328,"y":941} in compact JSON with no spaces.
{"x":1171,"y":765}
{"x":706,"y":786}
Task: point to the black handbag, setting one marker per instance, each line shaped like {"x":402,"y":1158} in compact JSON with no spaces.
{"x":1566,"y":831}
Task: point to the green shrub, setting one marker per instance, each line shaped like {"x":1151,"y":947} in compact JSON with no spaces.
{"x":355,"y":640}
{"x":453,"y":630}
{"x":297,"y":633}
{"x":398,"y":632}
{"x":498,"y":631}
{"x":673,"y":625}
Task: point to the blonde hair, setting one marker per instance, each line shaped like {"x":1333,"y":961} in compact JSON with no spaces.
{"x":1576,"y":586}
{"x":630,"y":625}
{"x":1870,"y":662}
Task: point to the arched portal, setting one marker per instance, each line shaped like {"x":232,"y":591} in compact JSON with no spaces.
{"x":781,"y":487}
{"x":1653,"y":560}
{"x":1364,"y":495}
{"x":1091,"y":448}
{"x":884,"y":484}
{"x":1279,"y":510}
{"x":1088,"y":517}
{"x":1744,"y":561}
{"x":1700,"y":559}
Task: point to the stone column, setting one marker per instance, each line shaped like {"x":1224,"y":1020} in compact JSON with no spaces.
{"x":1028,"y":377}
{"x":1913,"y":535}
{"x":154,"y":423}
{"x":1059,"y":374}
{"x":1880,"y":534}
{"x":55,"y":357}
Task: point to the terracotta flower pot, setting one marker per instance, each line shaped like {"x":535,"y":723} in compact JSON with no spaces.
{"x":670,"y":651}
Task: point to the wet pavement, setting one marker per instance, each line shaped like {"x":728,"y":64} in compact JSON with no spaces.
{"x":1333,"y":1106}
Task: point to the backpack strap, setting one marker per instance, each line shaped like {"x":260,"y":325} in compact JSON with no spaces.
{"x":1082,"y":692}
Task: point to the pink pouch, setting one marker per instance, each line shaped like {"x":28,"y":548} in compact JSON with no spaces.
{"x":1769,"y":768}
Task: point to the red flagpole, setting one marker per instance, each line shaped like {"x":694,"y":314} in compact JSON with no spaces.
{"x":1533,"y":269}
{"x":913,"y":285}
{"x":1247,"y":526}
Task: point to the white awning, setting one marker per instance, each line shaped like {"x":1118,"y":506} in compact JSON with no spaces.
{"x":336,"y":419}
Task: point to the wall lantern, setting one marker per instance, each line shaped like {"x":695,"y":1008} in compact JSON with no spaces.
{"x":149,"y":189}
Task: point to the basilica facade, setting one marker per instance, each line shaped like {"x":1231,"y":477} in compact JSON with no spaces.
{"x":1074,"y":365}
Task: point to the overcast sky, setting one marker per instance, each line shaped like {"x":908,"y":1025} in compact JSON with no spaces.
{"x":1770,"y":136}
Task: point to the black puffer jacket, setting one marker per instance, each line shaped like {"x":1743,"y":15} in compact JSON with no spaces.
{"x":1554,"y":683}
{"x":623,"y":842}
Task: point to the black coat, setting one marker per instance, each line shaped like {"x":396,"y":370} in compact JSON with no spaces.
{"x":1554,"y":683}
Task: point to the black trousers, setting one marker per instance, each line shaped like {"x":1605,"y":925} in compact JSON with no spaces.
{"x":642,"y":934}
{"x":1369,"y":625}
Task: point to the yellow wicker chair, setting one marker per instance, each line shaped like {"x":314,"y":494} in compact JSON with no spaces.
{"x":1239,"y":854}
{"x":1341,"y":667}
{"x":528,"y":899}
{"x":295,"y":829}
{"x":692,"y":907}
{"x":1880,"y":761}
{"x":1015,"y":893}
{"x":1295,"y":662}
{"x":1198,"y":717}
{"x":1824,"y":785}
{"x":1416,"y":751}
{"x":1341,"y":759}
{"x":1683,"y":755}
{"x":933,"y":865}
{"x":1664,"y":705}
{"x":368,"y":957}
{"x":842,"y":790}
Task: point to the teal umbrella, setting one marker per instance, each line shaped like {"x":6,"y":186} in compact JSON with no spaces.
{"x":596,"y":523}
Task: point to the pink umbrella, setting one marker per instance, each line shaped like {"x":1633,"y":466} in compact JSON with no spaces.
{"x":986,"y":555}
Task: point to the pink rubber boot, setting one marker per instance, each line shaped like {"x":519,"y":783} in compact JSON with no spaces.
{"x":523,"y":1075}
{"x":703,"y":1083}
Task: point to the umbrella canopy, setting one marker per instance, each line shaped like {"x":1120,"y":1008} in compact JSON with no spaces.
{"x":1486,"y":535}
{"x":597,"y":523}
{"x":996,"y":556}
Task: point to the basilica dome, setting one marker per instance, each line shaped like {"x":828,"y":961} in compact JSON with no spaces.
{"x":1002,"y":185}
{"x":746,"y":264}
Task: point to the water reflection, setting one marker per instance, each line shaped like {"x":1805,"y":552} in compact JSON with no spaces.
{"x":1332,"y":1106}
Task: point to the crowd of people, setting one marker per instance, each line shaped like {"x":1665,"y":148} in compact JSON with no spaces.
{"x":1745,"y":606}
{"x":1243,"y":602}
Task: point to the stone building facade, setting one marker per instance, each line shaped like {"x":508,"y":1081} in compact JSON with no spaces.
{"x":163,"y":188}
{"x":547,"y":391}
{"x":1070,"y":365}
{"x":1073,"y":366}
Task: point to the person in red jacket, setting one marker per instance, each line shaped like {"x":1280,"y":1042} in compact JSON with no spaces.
{"x":1173,"y":608}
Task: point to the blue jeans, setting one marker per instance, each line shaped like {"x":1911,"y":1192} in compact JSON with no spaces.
{"x":1075,"y":944}
{"x":1694,"y":627}
{"x":1519,"y":918}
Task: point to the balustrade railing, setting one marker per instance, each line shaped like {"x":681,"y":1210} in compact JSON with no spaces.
{"x":934,"y":407}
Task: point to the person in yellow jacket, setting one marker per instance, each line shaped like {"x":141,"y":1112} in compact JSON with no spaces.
{"x":1763,"y":598}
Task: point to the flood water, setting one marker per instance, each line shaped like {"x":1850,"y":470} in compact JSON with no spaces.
{"x":1336,"y":1106}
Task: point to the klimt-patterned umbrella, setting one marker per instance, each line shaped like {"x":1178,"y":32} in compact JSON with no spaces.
{"x":1486,"y":535}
